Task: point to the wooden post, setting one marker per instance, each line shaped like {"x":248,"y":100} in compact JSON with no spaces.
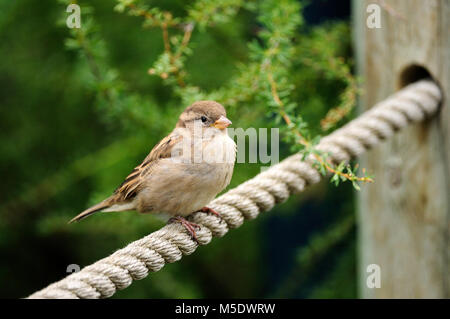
{"x":404,"y":215}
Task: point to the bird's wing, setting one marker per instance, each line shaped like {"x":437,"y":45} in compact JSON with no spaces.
{"x":129,"y":188}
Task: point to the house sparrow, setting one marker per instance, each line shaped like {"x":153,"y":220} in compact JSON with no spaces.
{"x":183,"y":172}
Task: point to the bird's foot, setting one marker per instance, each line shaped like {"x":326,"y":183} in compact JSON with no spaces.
{"x":210,"y":211}
{"x":190,"y":227}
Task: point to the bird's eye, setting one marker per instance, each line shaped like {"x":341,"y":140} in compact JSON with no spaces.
{"x":204,"y":119}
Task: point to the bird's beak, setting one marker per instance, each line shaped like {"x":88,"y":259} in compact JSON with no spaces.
{"x":222,"y":123}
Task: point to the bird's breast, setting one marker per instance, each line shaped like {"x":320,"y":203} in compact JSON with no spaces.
{"x":182,"y":186}
{"x":220,"y":149}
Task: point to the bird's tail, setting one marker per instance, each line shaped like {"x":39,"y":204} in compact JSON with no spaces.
{"x":96,"y":208}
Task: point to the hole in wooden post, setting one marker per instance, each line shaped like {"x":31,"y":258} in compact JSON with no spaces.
{"x":413,"y":73}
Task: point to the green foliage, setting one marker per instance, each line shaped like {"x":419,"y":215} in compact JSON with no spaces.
{"x":265,"y":79}
{"x":84,"y":106}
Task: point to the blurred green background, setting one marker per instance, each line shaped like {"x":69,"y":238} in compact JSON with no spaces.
{"x":61,"y":152}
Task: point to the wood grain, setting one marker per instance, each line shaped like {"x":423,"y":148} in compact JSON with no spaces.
{"x":404,"y":216}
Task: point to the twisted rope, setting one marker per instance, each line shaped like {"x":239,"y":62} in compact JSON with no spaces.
{"x":102,"y":279}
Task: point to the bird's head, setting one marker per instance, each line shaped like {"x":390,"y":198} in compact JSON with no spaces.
{"x":205,"y":114}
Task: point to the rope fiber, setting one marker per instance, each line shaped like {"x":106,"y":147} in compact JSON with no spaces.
{"x":414,"y":103}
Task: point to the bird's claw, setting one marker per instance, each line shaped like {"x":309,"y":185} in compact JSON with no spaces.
{"x":189,"y":226}
{"x":210,"y":211}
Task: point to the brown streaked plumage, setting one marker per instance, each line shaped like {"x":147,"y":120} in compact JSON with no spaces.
{"x":171,"y":179}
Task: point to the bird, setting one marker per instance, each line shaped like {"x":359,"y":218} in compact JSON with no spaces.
{"x":182,"y":173}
